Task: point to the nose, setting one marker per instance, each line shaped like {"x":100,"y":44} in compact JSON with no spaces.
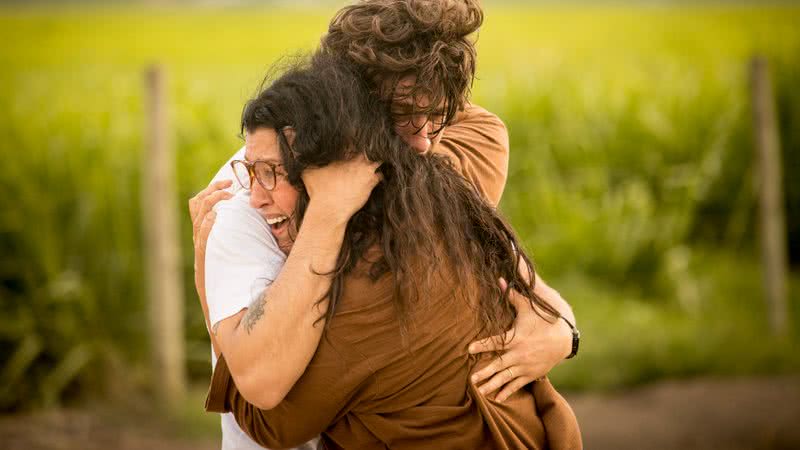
{"x":425,"y":129}
{"x":259,"y":196}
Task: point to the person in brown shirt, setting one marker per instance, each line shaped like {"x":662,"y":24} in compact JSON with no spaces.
{"x":415,"y":47}
{"x":414,"y":285}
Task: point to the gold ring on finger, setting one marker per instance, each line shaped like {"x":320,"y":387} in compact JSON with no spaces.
{"x":510,"y":372}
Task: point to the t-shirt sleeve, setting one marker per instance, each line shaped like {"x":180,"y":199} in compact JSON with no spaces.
{"x":242,"y":258}
{"x":477,"y":143}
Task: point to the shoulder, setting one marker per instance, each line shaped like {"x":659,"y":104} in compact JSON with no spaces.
{"x":474,"y":119}
{"x":241,"y":234}
{"x":236,"y":215}
{"x":225,"y":172}
{"x":477,"y":143}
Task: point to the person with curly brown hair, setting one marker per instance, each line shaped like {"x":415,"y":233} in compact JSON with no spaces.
{"x":419,"y":59}
{"x":415,"y":282}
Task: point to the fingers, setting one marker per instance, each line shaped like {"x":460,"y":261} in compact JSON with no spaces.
{"x":203,"y":231}
{"x":518,"y":300}
{"x":373,"y":166}
{"x":497,"y":365}
{"x":503,"y":283}
{"x":498,"y":380}
{"x":511,"y":387}
{"x":207,"y":204}
{"x":196,"y":201}
{"x":490,"y":344}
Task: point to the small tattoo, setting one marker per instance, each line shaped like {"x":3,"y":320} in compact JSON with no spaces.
{"x":215,"y":328}
{"x":253,"y":314}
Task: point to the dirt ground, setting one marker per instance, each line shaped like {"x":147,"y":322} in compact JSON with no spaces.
{"x":748,"y":413}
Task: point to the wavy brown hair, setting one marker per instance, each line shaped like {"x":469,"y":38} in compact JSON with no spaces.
{"x":423,"y":215}
{"x":432,"y":40}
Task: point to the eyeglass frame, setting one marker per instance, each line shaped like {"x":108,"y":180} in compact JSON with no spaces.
{"x":250,"y":166}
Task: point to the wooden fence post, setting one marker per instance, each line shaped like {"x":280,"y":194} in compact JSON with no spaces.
{"x":162,"y":250}
{"x":772,"y":221}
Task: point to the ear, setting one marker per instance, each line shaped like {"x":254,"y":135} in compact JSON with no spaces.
{"x":289,"y":134}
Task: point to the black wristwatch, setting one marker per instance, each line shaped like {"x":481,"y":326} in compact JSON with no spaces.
{"x":576,"y":338}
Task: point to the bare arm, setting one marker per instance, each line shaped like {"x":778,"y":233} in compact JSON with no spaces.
{"x":556,"y":300}
{"x":268,"y":345}
{"x":478,"y":145}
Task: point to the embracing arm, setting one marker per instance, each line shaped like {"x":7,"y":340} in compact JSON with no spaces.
{"x":477,"y":143}
{"x":340,"y":377}
{"x":324,"y":393}
{"x":268,"y":345}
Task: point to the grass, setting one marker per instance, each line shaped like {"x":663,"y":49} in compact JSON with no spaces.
{"x":718,"y":327}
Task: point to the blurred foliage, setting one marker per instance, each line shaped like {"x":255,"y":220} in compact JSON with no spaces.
{"x":629,"y":178}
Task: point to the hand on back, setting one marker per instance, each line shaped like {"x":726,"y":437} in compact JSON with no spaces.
{"x":533,"y":346}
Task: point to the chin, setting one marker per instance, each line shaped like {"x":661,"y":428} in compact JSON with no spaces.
{"x":286,"y":246}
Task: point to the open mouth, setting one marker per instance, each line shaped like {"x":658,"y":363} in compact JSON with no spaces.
{"x":278,"y":224}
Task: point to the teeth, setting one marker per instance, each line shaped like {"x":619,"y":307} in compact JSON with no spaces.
{"x":276,"y":220}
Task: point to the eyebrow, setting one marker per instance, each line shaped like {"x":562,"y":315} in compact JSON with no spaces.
{"x":408,"y":108}
{"x":269,"y":160}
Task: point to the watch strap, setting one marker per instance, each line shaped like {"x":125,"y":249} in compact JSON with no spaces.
{"x":576,"y":338}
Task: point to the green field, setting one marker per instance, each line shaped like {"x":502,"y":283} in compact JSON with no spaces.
{"x":629,"y":180}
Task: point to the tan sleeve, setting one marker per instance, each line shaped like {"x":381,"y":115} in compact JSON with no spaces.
{"x":477,"y":143}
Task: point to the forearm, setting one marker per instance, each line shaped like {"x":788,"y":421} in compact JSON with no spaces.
{"x":560,"y":342}
{"x":547,"y":293}
{"x":269,"y":345}
{"x":553,"y":298}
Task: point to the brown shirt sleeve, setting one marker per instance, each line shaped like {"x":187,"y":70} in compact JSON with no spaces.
{"x":320,"y":397}
{"x":336,"y":379}
{"x":477,"y":143}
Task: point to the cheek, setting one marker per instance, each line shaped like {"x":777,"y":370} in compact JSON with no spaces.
{"x":286,"y":197}
{"x":404,"y":129}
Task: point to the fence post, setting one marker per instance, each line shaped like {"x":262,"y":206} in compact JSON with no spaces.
{"x":772,"y":221}
{"x":162,"y":251}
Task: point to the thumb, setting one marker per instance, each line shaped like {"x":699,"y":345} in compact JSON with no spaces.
{"x":503,"y":283}
{"x":518,"y":300}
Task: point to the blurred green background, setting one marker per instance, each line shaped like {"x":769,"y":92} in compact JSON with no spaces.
{"x":631,"y":177}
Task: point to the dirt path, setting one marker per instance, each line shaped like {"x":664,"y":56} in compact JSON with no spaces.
{"x":751,"y":413}
{"x":93,"y":430}
{"x":760,"y":413}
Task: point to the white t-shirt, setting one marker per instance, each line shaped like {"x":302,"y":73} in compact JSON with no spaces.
{"x":242,"y":260}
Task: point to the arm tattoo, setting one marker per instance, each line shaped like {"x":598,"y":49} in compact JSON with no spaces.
{"x":254,"y":313}
{"x":215,"y":328}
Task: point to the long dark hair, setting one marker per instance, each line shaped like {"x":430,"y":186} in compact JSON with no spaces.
{"x":423,"y":215}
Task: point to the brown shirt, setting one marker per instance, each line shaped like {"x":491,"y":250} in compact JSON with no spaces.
{"x":369,"y":386}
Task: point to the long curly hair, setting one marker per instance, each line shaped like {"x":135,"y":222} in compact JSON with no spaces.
{"x":430,"y":39}
{"x":430,"y":225}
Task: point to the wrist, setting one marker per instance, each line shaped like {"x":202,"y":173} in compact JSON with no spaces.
{"x":321,"y":213}
{"x":574,"y":336}
{"x":326,"y":213}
